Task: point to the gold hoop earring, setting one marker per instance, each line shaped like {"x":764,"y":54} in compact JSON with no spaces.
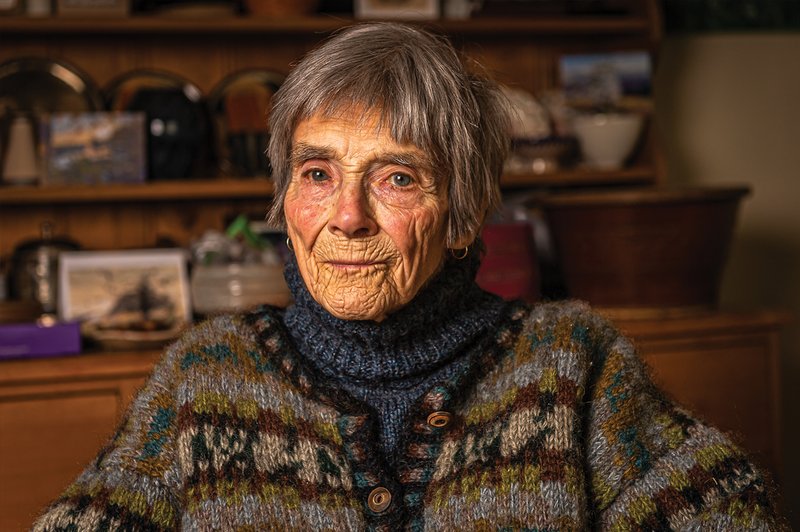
{"x":460,"y":256}
{"x":289,"y":244}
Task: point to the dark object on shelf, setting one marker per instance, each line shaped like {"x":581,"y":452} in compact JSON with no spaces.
{"x":36,"y":85}
{"x":176,"y":123}
{"x":339,"y":7}
{"x":34,"y":268}
{"x":189,"y":8}
{"x":19,"y":311}
{"x":541,"y":156}
{"x":239,"y":105}
{"x":554,"y":7}
{"x":645,"y":252}
{"x":731,"y":15}
{"x":280,"y":8}
{"x":92,"y":8}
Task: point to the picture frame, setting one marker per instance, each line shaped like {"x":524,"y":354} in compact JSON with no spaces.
{"x":93,"y":148}
{"x":397,"y":9}
{"x":125,"y":298}
{"x":93,"y":8}
{"x":619,"y":78}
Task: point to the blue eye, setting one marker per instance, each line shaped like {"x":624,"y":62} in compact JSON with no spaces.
{"x":318,"y":175}
{"x":401,"y":180}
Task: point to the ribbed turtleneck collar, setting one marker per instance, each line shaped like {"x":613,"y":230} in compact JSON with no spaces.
{"x":447,"y":314}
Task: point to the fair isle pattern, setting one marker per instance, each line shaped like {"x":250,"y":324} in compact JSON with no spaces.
{"x":555,"y":427}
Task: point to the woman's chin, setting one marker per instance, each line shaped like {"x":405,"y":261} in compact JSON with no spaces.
{"x":358,"y":307}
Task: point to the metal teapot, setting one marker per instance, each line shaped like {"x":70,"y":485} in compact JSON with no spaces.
{"x":34,"y":268}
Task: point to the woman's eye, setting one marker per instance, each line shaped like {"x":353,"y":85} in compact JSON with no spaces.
{"x":401,"y":180}
{"x":317,"y":175}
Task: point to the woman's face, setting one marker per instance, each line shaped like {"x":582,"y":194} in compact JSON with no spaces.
{"x":366,"y":217}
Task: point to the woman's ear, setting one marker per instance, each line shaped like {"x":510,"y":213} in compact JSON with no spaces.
{"x":464,"y":241}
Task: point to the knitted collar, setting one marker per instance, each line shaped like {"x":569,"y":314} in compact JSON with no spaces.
{"x":447,"y":314}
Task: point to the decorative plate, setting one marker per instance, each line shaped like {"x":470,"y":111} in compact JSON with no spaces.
{"x":38,"y":85}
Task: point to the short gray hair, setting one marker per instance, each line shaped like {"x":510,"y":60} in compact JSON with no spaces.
{"x":425,"y":92}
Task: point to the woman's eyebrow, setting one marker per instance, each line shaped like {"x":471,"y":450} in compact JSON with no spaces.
{"x":411,"y":159}
{"x":302,"y":152}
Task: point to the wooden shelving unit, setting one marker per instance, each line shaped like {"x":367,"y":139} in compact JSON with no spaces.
{"x":185,"y":190}
{"x":136,"y":25}
{"x":229,"y":188}
{"x":519,"y":51}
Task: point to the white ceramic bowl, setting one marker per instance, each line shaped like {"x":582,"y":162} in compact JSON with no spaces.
{"x":607,"y":139}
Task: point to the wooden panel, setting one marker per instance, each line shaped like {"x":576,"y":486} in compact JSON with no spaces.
{"x":723,"y":366}
{"x":102,"y":226}
{"x":55,"y":415}
{"x":727,"y":383}
{"x":46,"y":440}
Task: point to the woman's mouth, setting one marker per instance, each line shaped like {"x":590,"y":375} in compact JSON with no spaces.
{"x":355,"y":265}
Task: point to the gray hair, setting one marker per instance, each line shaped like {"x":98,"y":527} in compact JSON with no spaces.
{"x":423,"y":90}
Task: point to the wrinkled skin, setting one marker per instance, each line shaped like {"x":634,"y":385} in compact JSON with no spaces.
{"x":365,"y":215}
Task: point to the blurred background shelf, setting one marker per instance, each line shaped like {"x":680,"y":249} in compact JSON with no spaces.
{"x":195,"y":189}
{"x":519,"y":51}
{"x":574,"y":25}
{"x":581,"y":177}
{"x":222,"y":189}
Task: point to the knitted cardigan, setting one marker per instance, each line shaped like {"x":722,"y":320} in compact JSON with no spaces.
{"x":555,"y":426}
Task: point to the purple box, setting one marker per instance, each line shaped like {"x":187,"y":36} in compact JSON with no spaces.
{"x":26,"y":340}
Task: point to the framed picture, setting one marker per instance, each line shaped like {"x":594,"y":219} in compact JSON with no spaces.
{"x":125,"y":297}
{"x":94,"y":148}
{"x":621,"y":79}
{"x":397,"y":9}
{"x":93,"y":8}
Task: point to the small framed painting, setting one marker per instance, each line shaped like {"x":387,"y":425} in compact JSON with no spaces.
{"x":397,"y":9}
{"x":94,"y":148}
{"x":614,"y":79}
{"x":125,"y":298}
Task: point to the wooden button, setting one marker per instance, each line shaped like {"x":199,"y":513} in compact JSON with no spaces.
{"x":439,"y":419}
{"x":379,"y":500}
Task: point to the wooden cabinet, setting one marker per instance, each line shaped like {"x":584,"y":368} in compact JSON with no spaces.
{"x":725,"y":368}
{"x":55,"y":414}
{"x":522,"y":52}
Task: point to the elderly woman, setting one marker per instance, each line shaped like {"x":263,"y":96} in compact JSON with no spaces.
{"x":394,"y":393}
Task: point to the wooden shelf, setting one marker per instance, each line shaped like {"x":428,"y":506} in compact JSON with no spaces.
{"x":224,"y":189}
{"x":573,"y":25}
{"x":581,"y":177}
{"x":520,"y":51}
{"x":195,"y":189}
{"x":90,"y":365}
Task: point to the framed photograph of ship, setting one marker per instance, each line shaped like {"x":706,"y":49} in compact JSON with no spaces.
{"x":125,"y":298}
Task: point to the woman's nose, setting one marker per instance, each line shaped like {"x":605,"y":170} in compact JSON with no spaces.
{"x":352,"y":216}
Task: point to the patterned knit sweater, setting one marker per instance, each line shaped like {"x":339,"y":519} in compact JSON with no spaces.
{"x":554,"y":426}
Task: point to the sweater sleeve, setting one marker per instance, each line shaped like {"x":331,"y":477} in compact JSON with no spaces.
{"x":654,"y":466}
{"x":131,"y":484}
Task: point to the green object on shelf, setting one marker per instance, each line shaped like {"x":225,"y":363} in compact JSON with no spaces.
{"x":240,"y":227}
